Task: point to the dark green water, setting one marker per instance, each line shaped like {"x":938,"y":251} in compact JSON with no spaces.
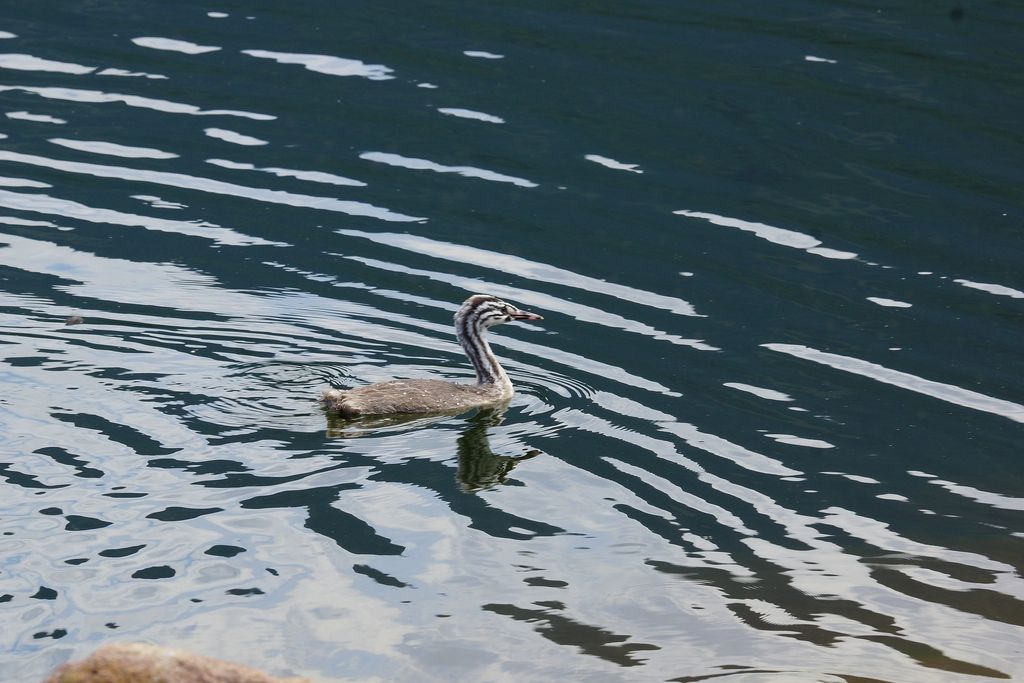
{"x":774,"y":406}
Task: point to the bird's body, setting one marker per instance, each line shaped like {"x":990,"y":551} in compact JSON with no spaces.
{"x":409,"y":396}
{"x":402,"y":396}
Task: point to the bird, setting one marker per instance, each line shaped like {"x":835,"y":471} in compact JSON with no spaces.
{"x":475,"y":316}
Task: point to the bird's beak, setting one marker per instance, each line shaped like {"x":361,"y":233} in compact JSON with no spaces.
{"x":525,"y":315}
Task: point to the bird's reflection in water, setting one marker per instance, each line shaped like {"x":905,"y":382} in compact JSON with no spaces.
{"x":479,"y":468}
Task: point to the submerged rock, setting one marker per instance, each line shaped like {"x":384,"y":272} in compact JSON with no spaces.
{"x":141,"y":663}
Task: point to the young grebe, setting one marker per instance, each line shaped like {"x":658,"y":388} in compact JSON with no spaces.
{"x":399,"y":396}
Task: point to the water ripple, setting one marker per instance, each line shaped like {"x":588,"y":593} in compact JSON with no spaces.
{"x":532,"y":270}
{"x":326,"y":64}
{"x":1000,"y":290}
{"x":904,"y":380}
{"x":113,"y":149}
{"x":100,"y":97}
{"x":310,"y":176}
{"x":42,"y":203}
{"x":427,"y":165}
{"x":541,"y":302}
{"x":783,"y":236}
{"x":174,"y":45}
{"x":210,"y":185}
{"x":470,"y":114}
{"x":634,"y":511}
{"x":37,"y":118}
{"x":22,"y":62}
{"x":233,"y":137}
{"x":612,"y":163}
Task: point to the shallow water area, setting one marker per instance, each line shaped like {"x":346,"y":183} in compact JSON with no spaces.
{"x":768,"y":429}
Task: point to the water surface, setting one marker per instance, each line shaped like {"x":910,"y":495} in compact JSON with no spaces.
{"x":768,"y":429}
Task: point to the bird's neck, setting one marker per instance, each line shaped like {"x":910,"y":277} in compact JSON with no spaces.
{"x":488,"y":369}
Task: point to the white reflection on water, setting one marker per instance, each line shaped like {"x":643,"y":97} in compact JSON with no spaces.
{"x":995,"y":500}
{"x":181,"y":180}
{"x":760,"y":392}
{"x":38,"y":118}
{"x":113,"y":149}
{"x":540,"y":301}
{"x":532,"y":270}
{"x":682,"y":497}
{"x":427,"y":165}
{"x":131,"y":74}
{"x":612,"y":163}
{"x":98,"y":96}
{"x":793,"y":440}
{"x":745,"y":501}
{"x":173,"y":45}
{"x":22,"y":182}
{"x":327,"y":64}
{"x":157,"y":202}
{"x":880,"y":535}
{"x":1001,"y":290}
{"x":21,"y":62}
{"x":694,"y":437}
{"x":470,"y":114}
{"x":41,"y":203}
{"x":120,"y":280}
{"x":904,"y":380}
{"x":890,"y":303}
{"x":233,"y":137}
{"x":311,"y":176}
{"x":859,"y":478}
{"x":783,"y":236}
{"x":11,"y":220}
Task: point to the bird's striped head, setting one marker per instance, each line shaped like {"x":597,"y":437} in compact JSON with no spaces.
{"x":483,"y":310}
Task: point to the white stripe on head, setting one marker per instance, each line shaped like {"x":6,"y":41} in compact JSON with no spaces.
{"x":476,"y":314}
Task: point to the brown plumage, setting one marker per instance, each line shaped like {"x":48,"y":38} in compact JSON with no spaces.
{"x":478,"y":313}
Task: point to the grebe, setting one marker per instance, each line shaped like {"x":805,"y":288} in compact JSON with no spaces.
{"x":403,"y":396}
